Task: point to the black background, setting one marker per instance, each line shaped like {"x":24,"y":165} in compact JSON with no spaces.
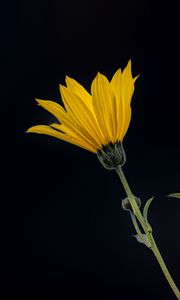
{"x":63,"y":232}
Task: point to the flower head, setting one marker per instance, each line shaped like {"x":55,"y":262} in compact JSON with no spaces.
{"x":92,"y":121}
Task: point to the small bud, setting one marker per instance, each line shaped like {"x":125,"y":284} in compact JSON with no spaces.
{"x":126,"y":205}
{"x":112,"y":155}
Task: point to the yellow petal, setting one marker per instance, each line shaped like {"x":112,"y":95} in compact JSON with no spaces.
{"x":104,"y":105}
{"x":127,"y":85}
{"x":59,"y":112}
{"x":74,"y":87}
{"x":116,"y":86}
{"x":81,"y":116}
{"x":72,"y":131}
{"x":126,"y":124}
{"x":127,"y":90}
{"x":79,"y":90}
{"x":62,"y":115}
{"x":43,"y":129}
{"x":53,"y":107}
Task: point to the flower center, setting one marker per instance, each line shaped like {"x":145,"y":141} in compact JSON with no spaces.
{"x":112,"y":155}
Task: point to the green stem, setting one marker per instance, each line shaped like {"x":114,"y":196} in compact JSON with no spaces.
{"x":148,"y":231}
{"x":136,"y":227}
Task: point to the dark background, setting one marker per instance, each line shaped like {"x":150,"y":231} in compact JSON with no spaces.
{"x":63,"y":232}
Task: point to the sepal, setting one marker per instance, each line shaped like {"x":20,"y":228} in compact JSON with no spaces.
{"x":112,"y":155}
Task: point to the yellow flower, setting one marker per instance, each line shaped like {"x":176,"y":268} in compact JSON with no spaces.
{"x":92,"y":121}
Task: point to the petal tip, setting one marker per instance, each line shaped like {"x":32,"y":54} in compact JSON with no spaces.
{"x":135,"y":78}
{"x":29,"y":130}
{"x":62,"y":87}
{"x":39,"y":101}
{"x":129,"y":65}
{"x":67,"y":79}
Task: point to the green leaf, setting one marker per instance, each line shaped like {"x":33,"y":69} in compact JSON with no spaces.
{"x":174,"y":195}
{"x":146,"y":207}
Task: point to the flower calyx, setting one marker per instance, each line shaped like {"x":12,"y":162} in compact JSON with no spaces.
{"x":112,"y":155}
